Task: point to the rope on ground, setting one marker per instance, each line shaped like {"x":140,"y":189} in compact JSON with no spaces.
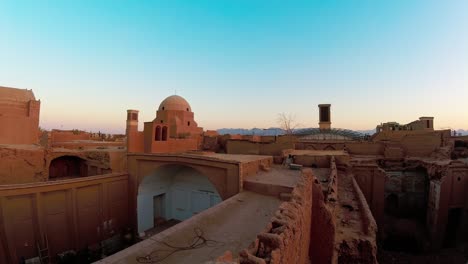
{"x":158,"y":255}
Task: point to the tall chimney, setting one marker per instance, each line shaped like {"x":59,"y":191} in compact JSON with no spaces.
{"x":132,"y":129}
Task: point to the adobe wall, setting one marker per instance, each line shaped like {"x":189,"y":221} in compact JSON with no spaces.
{"x":392,"y":144}
{"x":252,"y":138}
{"x":275,"y":148}
{"x":211,"y":133}
{"x":118,"y":161}
{"x":421,"y":145}
{"x":253,"y":167}
{"x":448,"y":188}
{"x":28,"y":163}
{"x":174,"y":145}
{"x":89,"y":145}
{"x":259,"y":148}
{"x":97,"y":162}
{"x":224,"y":175}
{"x":287,"y":238}
{"x":135,"y":139}
{"x":322,"y":241}
{"x":371,"y":181}
{"x":415,"y":143}
{"x":72,"y":214}
{"x":365,"y":148}
{"x":180,"y":123}
{"x":312,"y":161}
{"x":58,"y":136}
{"x":448,"y":192}
{"x":22,"y":165}
{"x":211,"y":143}
{"x":19,"y":122}
{"x":242,"y":147}
{"x":138,"y":142}
{"x":268,"y":139}
{"x":369,"y":224}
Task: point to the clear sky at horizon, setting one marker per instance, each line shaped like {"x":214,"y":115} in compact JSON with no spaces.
{"x":239,"y":63}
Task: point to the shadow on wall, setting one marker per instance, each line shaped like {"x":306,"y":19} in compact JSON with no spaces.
{"x":173,"y":192}
{"x":406,"y":202}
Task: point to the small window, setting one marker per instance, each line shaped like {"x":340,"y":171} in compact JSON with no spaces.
{"x":187,"y":110}
{"x":162,"y":121}
{"x":163,"y":108}
{"x":188,"y":123}
{"x":428,"y":124}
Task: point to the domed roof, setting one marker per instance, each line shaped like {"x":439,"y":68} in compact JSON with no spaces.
{"x":175,"y":102}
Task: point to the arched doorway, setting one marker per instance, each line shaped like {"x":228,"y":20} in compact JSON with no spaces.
{"x":173,"y":192}
{"x":67,"y":167}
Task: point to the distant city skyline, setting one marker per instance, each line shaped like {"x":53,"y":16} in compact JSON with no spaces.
{"x":239,"y":63}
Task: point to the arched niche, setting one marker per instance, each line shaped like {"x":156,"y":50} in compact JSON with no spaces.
{"x":173,"y":192}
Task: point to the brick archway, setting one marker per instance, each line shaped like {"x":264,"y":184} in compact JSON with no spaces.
{"x":213,"y":179}
{"x":173,"y":192}
{"x":66,"y":165}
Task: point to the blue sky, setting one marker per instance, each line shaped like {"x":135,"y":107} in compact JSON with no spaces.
{"x":239,"y":63}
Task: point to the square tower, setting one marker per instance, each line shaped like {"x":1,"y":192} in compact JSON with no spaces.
{"x":324,"y":116}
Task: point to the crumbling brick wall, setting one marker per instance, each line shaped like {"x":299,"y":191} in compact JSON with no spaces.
{"x":286,"y":239}
{"x":21,"y":165}
{"x":322,"y":240}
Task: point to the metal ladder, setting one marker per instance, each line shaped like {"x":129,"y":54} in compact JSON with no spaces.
{"x":44,"y":254}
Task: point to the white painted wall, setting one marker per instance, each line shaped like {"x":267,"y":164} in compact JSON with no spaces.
{"x":187,"y":191}
{"x":151,"y":186}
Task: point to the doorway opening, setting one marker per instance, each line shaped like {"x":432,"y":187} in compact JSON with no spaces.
{"x":453,"y":225}
{"x":159,"y":208}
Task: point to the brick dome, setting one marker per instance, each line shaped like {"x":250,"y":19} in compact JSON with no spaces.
{"x":175,"y":102}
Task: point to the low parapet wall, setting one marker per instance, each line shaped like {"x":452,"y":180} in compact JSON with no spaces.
{"x":259,"y":147}
{"x":369,"y":224}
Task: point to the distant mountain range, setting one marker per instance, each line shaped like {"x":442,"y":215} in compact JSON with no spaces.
{"x":272,"y":131}
{"x":275,"y":131}
{"x":366,"y":132}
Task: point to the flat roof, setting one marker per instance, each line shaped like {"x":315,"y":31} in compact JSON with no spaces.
{"x":22,"y":146}
{"x":231,"y":225}
{"x":229,"y":157}
{"x":16,"y":94}
{"x":277,"y":175}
